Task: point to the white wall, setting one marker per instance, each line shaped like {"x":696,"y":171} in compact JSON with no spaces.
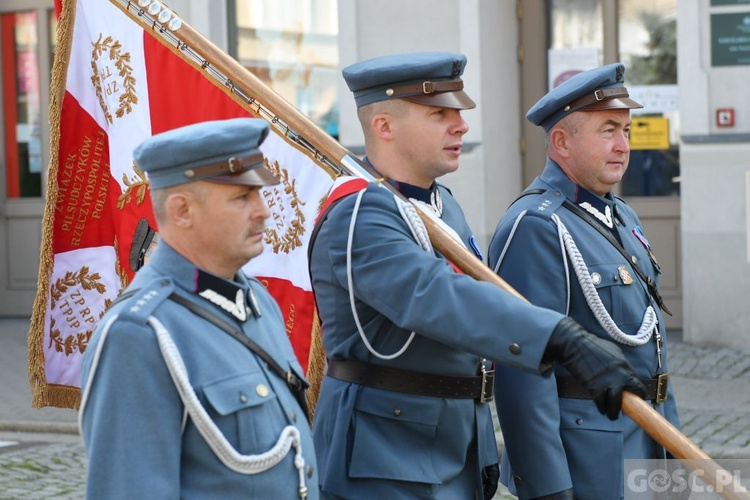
{"x":714,"y":171}
{"x":208,"y":18}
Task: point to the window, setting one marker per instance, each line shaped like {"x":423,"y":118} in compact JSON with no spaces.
{"x":22,"y":113}
{"x":576,"y":38}
{"x":292,"y":46}
{"x":648,"y":47}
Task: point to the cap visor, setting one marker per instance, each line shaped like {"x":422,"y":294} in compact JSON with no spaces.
{"x":259,"y":176}
{"x":455,"y":100}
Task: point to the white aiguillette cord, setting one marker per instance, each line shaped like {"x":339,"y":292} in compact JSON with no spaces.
{"x":409,"y":213}
{"x":649,"y":322}
{"x":243,"y":464}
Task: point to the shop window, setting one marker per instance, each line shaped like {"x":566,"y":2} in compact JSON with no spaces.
{"x":648,"y":47}
{"x":22,"y":113}
{"x":576,"y":38}
{"x":292,"y":47}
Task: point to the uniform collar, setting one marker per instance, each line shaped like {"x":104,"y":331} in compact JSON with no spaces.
{"x":234,"y":297}
{"x":430,"y":196}
{"x":602,"y":208}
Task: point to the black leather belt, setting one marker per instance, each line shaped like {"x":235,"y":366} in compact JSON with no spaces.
{"x":656,"y":388}
{"x":480,"y":388}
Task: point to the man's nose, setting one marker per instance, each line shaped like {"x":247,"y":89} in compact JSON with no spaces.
{"x":461,"y":126}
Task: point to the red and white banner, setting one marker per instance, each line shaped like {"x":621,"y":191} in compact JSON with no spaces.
{"x":113,"y":85}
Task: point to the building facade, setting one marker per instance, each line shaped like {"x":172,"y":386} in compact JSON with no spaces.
{"x":687,"y":61}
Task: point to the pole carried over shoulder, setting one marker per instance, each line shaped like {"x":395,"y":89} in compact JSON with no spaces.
{"x":253,"y":95}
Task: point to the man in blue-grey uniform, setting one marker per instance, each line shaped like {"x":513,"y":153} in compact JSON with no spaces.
{"x":190,"y":387}
{"x":570,"y":245}
{"x":402,"y":411}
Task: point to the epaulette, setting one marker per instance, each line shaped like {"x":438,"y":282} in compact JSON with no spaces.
{"x":142,"y":304}
{"x":545,"y":202}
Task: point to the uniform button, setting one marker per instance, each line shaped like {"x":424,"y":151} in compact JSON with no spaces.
{"x":243,"y":398}
{"x":514,"y":348}
{"x":615,"y":278}
{"x":293,"y":415}
{"x":397,"y":412}
{"x":596,"y":278}
{"x":262,"y":390}
{"x":579,"y":421}
{"x":309,"y":471}
{"x":634,"y":259}
{"x":518,"y":480}
{"x":557,"y":193}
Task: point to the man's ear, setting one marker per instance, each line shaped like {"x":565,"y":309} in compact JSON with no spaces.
{"x":558,"y":142}
{"x":178,"y":209}
{"x":381,"y":126}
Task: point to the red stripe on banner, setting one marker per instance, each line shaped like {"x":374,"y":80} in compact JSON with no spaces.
{"x":298,"y":308}
{"x":84,"y":212}
{"x":179,"y":94}
{"x":350,"y":186}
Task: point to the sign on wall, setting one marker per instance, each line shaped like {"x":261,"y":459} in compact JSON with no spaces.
{"x":730,"y":39}
{"x":729,"y":2}
{"x":649,"y":133}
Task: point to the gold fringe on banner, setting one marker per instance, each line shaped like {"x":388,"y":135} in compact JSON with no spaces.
{"x":316,"y":365}
{"x":44,"y":394}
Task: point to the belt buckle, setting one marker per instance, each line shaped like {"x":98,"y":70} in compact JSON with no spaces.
{"x":488,"y":386}
{"x":662,"y":386}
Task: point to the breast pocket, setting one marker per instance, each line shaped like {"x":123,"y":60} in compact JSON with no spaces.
{"x":247,"y":412}
{"x":621,"y":293}
{"x":399,"y":426}
{"x":592,"y":443}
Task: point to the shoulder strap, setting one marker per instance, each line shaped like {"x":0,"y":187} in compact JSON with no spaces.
{"x":527,"y":193}
{"x":296,"y":385}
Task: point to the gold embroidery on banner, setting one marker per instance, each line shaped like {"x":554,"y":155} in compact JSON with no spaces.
{"x":288,"y":226}
{"x":67,"y":296}
{"x":140,"y":187}
{"x":289,"y":320}
{"x":106,"y":82}
{"x":119,"y":269}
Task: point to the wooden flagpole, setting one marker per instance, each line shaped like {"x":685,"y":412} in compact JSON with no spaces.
{"x":251,"y":93}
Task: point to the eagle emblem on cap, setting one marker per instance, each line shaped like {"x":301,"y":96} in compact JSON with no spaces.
{"x":619,"y":72}
{"x":456,"y":69}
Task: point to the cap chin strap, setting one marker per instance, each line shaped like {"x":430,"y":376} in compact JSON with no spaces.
{"x":598,"y":95}
{"x":425,"y":88}
{"x":233,"y":165}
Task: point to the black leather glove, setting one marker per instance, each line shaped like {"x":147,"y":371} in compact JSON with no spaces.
{"x":598,"y":364}
{"x":490,"y":478}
